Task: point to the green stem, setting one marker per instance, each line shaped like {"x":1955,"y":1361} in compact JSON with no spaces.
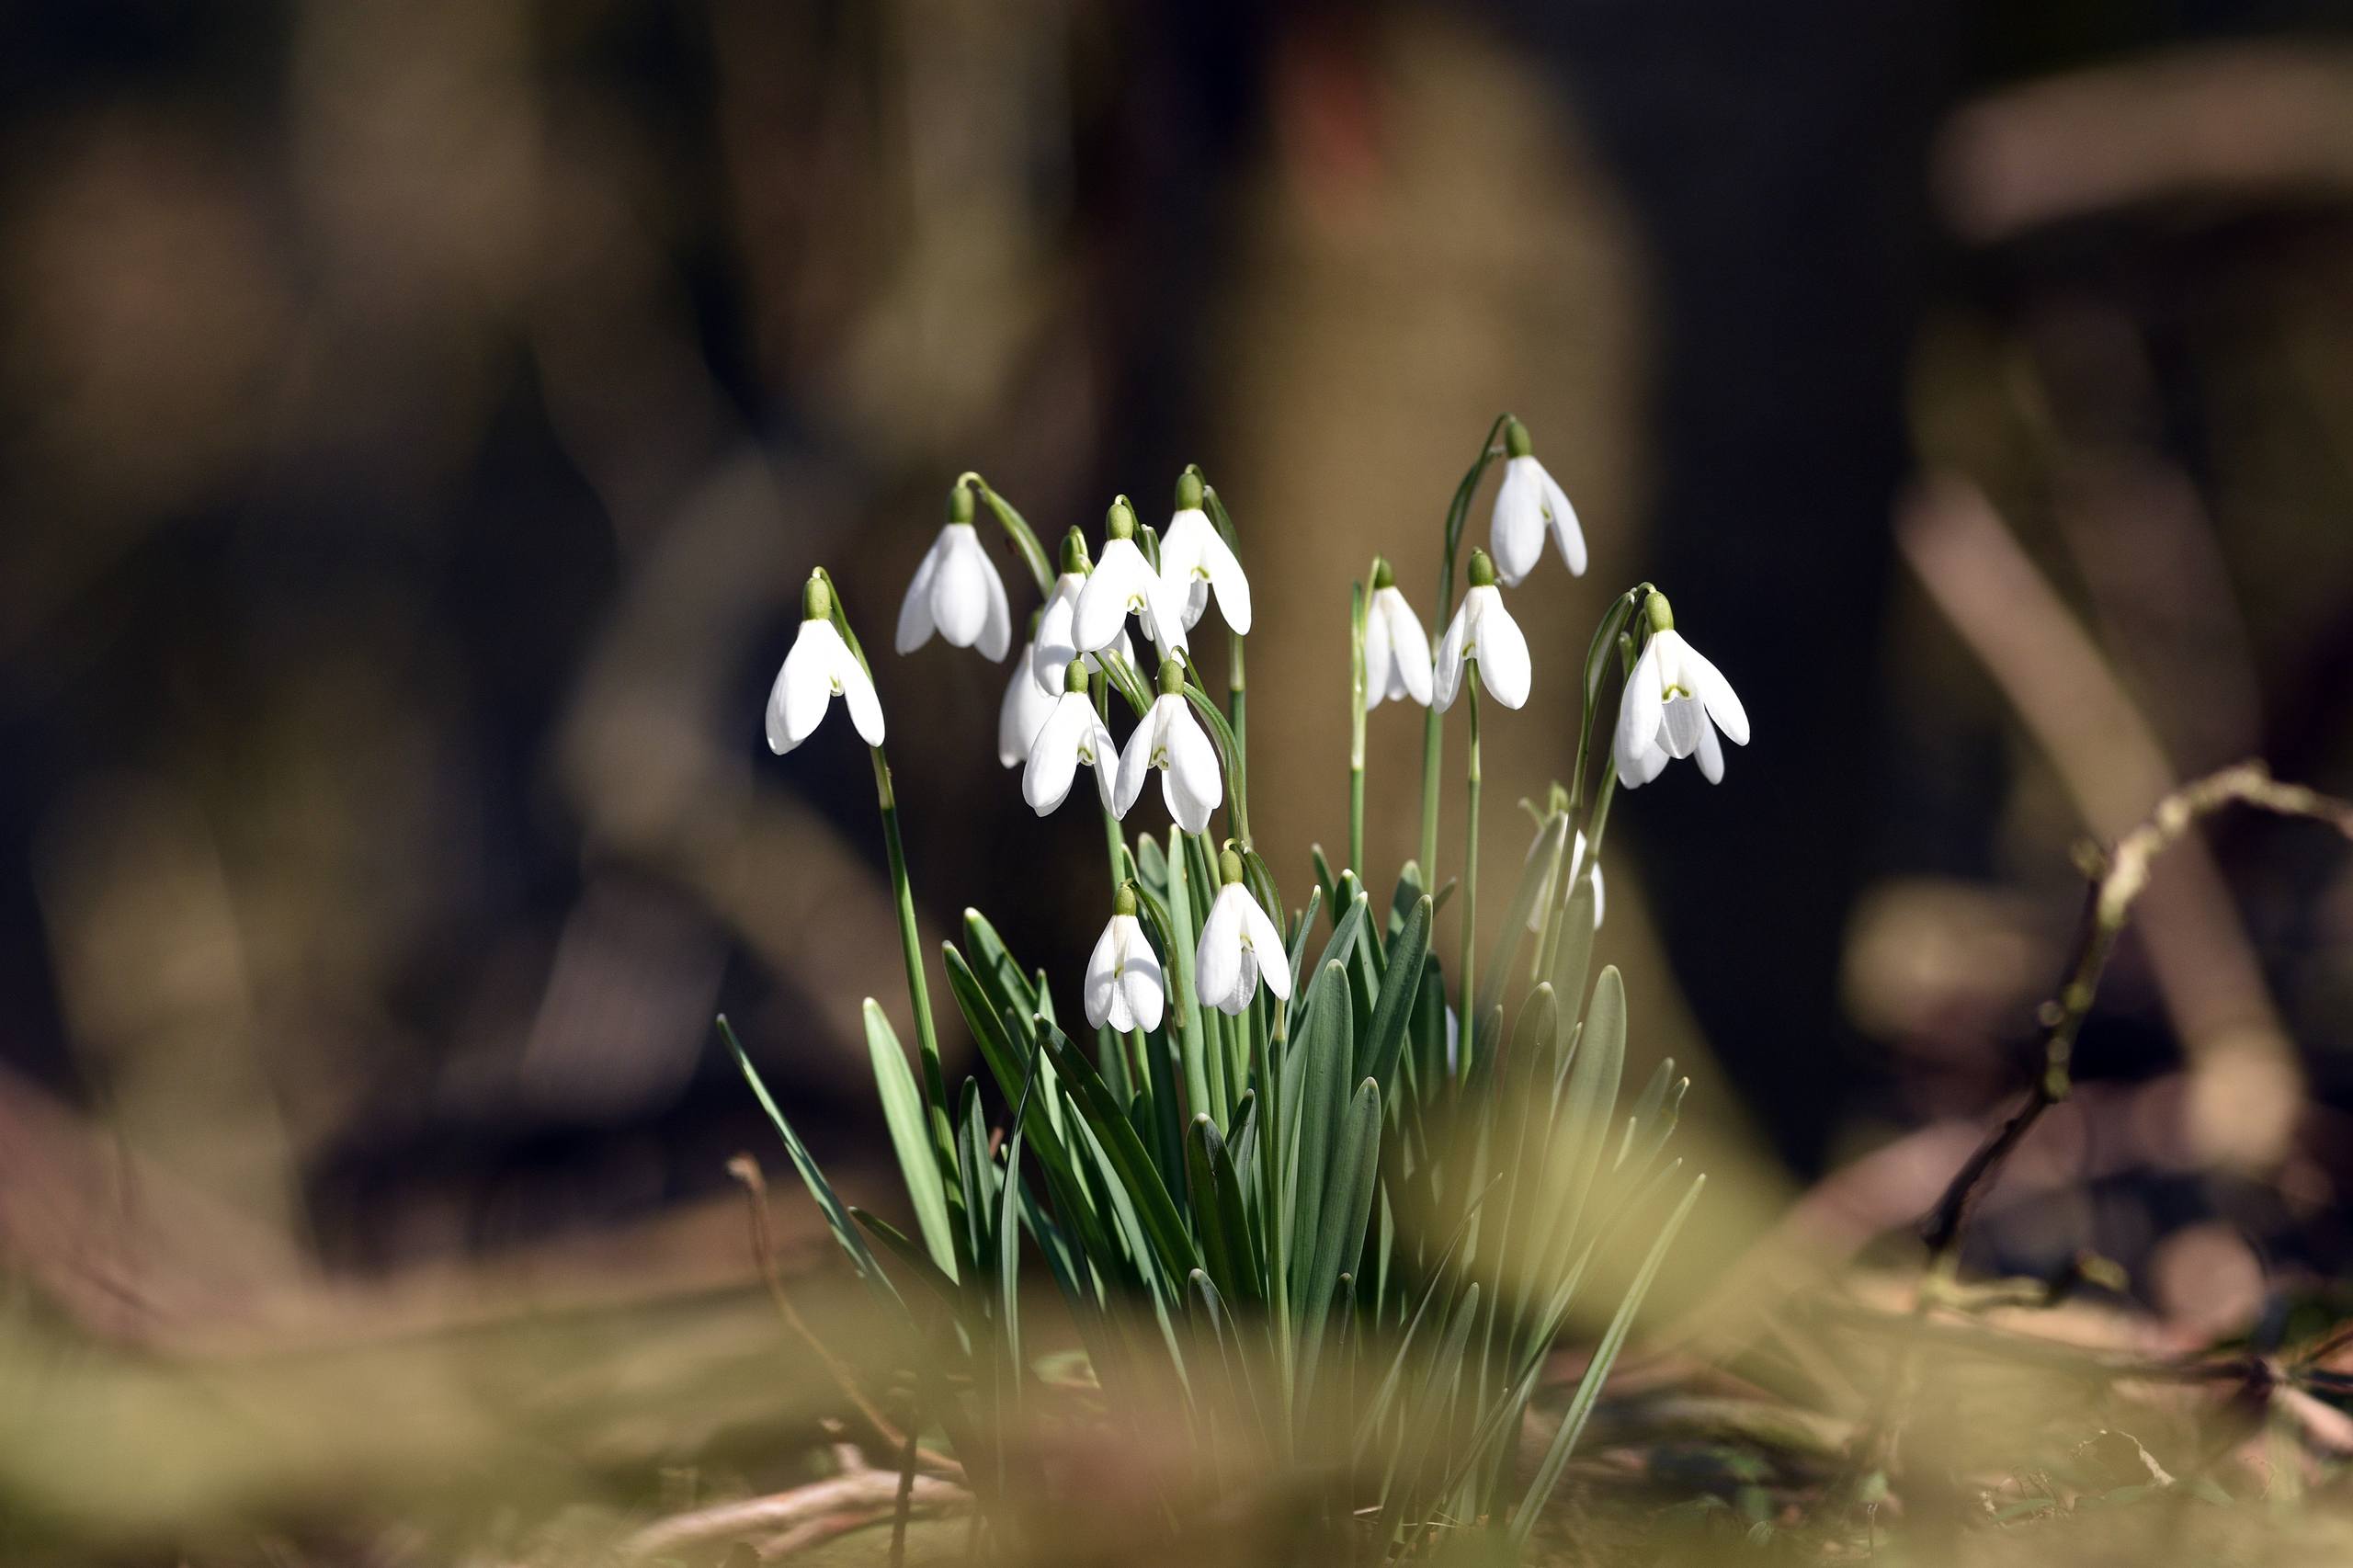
{"x":935,"y":1082}
{"x":1025,"y":542}
{"x":1469,"y":1022}
{"x":1434,"y":724}
{"x":1355,"y":730}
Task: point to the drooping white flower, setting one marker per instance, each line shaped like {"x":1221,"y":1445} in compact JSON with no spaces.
{"x":1195,"y":560}
{"x":1396,"y":649}
{"x":1171,"y":740}
{"x":1057,"y":640}
{"x":956,"y":591}
{"x":1124,"y":984}
{"x":1528,"y":505}
{"x":1674,"y":704}
{"x":819,"y":668}
{"x":1556,"y":887}
{"x":1023,"y":712}
{"x":1484,"y":633}
{"x":1124,"y":584}
{"x":1073,"y":734}
{"x":1239,"y":946}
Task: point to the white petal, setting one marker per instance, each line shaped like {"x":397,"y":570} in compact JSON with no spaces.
{"x":1233,"y":584}
{"x":1245,"y":985}
{"x":1135,"y":762}
{"x":960,"y":590}
{"x":1681,"y":723}
{"x":1447,"y":682}
{"x":1265,"y":944}
{"x":914,"y":610}
{"x":858,"y":693}
{"x":1104,"y":751}
{"x":1022,"y":713}
{"x":1515,"y":528}
{"x":1716,"y":694}
{"x":996,"y":632}
{"x":1098,"y":991}
{"x":1122,"y":575}
{"x":1192,"y":785}
{"x":1217,"y":958}
{"x":1055,"y":646}
{"x":1053,"y":760}
{"x":1379,"y":656}
{"x":1638,"y":717}
{"x":1711,"y":753}
{"x":803,"y":687}
{"x":1502,"y":651}
{"x":1412,"y":644}
{"x":1563,"y":521}
{"x":1140,"y":984}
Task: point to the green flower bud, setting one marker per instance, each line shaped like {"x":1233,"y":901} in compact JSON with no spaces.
{"x":1075,"y":677}
{"x":1120,"y":521}
{"x":1172,"y":678}
{"x":1124,"y":901}
{"x":1661,"y":613}
{"x":959,"y":503}
{"x":1229,"y":866}
{"x":1483,"y":571}
{"x":1516,"y":441}
{"x":1383,"y":578}
{"x":1074,"y":559}
{"x":1189,"y":490}
{"x":817,"y":598}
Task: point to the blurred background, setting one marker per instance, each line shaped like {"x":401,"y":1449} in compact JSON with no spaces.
{"x":417,"y":420}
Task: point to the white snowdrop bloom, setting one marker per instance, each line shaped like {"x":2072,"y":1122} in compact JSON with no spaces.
{"x":1124,"y":584}
{"x":1073,"y":734}
{"x":1125,"y":987}
{"x":1675,"y":703}
{"x":1396,"y":649}
{"x":1555,"y":888}
{"x":1023,"y":712}
{"x":956,"y":591}
{"x":1196,"y":560}
{"x":1240,"y":946}
{"x":1528,"y":505}
{"x":1173,"y":741}
{"x":1057,"y":641}
{"x":1484,"y":634}
{"x":820,"y":668}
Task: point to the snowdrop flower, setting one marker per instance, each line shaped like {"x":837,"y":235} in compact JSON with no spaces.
{"x":1484,"y":634}
{"x":956,"y":591}
{"x":1195,"y":559}
{"x":1024,"y":710}
{"x":820,"y":668}
{"x":1171,"y":740}
{"x":1674,"y":702}
{"x":1057,"y":643}
{"x":1396,"y":649}
{"x":1124,"y":984}
{"x":1124,"y":584}
{"x":1239,"y":946}
{"x":1527,"y":505}
{"x":1073,"y":734}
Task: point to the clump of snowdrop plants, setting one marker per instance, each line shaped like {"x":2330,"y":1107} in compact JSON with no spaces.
{"x":1338,"y":1198}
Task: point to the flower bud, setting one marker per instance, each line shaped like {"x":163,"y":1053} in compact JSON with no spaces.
{"x":1483,"y":571}
{"x":1189,"y":490}
{"x":1120,"y":521}
{"x":1172,"y":678}
{"x":1075,"y":677}
{"x":1383,"y":578}
{"x":1124,"y":901}
{"x":1075,"y":561}
{"x":817,"y":598}
{"x":1661,"y":613}
{"x":1516,"y":441}
{"x":1229,"y":866}
{"x":959,"y":503}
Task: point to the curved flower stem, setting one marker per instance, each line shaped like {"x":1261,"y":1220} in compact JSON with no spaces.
{"x":1025,"y":542}
{"x":1433,"y":726}
{"x":1470,"y":886}
{"x":935,"y":1083}
{"x":1355,"y":730}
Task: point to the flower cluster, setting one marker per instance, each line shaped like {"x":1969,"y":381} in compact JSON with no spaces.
{"x":1053,"y":718}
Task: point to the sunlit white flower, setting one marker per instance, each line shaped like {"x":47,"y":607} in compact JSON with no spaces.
{"x":1124,"y":984}
{"x":1124,"y":584}
{"x":1171,"y":740}
{"x":1396,"y":649}
{"x":1484,"y":633}
{"x":1023,"y":711}
{"x":1073,"y":734}
{"x":1239,"y":946}
{"x":820,"y":668}
{"x":956,"y":591}
{"x":1528,"y":506}
{"x":1674,"y":702}
{"x":1195,"y":559}
{"x":1057,"y":640}
{"x":1555,"y":888}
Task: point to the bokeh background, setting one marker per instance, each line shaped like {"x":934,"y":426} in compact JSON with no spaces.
{"x":416,"y":419}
